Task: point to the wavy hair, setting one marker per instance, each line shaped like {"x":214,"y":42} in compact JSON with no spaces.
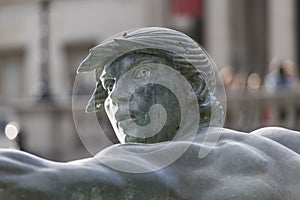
{"x":184,"y":54}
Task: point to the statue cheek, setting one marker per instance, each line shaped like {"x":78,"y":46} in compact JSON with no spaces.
{"x":140,"y":102}
{"x":156,"y":112}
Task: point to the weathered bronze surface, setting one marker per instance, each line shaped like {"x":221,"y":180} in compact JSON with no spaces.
{"x":262,"y":165}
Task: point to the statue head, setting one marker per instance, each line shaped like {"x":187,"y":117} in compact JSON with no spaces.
{"x":144,"y":75}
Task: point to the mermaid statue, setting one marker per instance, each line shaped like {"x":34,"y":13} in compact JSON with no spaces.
{"x":157,"y":87}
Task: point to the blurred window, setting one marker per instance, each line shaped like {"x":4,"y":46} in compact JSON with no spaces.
{"x":188,"y":17}
{"x":249,"y":36}
{"x":191,"y":8}
{"x":11,"y":74}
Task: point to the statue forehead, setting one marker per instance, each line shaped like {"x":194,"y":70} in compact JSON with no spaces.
{"x":116,"y":68}
{"x":126,"y":62}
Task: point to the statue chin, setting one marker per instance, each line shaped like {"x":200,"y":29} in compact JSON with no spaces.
{"x":120,"y":135}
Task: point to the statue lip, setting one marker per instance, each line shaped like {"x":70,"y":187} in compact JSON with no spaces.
{"x":122,"y":115}
{"x":123,"y":118}
{"x":123,"y":123}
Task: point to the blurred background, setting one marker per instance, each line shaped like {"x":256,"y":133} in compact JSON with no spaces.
{"x":255,"y":43}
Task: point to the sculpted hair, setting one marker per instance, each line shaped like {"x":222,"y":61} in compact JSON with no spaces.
{"x":182,"y":53}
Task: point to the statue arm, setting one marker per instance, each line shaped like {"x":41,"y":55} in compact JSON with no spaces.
{"x":18,"y":173}
{"x":24,"y":176}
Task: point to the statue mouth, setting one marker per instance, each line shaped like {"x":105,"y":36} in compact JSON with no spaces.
{"x":122,"y":116}
{"x":126,"y":121}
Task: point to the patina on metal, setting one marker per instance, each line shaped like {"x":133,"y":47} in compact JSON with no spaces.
{"x":262,"y":165}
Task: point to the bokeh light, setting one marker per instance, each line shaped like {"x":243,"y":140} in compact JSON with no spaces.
{"x":11,"y":130}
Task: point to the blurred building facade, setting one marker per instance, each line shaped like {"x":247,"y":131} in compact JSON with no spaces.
{"x":42,"y":42}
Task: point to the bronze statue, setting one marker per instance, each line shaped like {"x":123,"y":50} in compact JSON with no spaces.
{"x":157,"y":87}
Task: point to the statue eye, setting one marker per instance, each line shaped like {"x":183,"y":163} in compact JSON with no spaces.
{"x":141,"y":73}
{"x":109,"y":85}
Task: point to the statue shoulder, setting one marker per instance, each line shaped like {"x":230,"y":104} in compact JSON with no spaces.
{"x":283,"y":136}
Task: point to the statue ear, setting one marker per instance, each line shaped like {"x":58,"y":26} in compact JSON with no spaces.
{"x":96,"y":102}
{"x":198,"y":84}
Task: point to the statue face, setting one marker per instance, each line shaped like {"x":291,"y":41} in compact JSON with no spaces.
{"x":139,"y":109}
{"x":158,"y":87}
